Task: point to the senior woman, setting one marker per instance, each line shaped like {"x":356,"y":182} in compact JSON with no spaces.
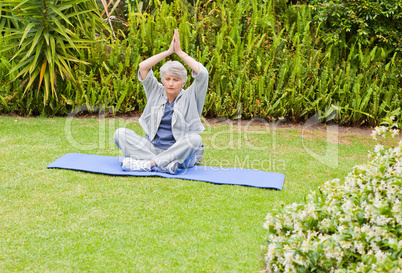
{"x":171,"y":118}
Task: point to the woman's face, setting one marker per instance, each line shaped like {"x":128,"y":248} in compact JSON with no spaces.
{"x":172,"y":85}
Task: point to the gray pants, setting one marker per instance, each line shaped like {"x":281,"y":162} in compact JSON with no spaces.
{"x":187,"y":151}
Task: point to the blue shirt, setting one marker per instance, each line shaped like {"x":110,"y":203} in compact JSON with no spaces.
{"x":164,"y":138}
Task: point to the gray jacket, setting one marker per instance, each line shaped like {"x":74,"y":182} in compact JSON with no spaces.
{"x":187,"y":107}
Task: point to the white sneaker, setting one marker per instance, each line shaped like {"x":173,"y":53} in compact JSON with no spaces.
{"x":171,"y":168}
{"x":132,"y":165}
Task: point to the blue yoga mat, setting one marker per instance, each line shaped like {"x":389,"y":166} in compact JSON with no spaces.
{"x":232,"y":176}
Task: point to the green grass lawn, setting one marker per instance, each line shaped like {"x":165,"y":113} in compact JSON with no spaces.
{"x":55,"y":220}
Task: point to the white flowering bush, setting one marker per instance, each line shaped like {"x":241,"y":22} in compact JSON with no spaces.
{"x":348,"y":225}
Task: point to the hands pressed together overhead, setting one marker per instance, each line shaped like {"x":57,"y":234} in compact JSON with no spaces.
{"x":146,"y":65}
{"x":175,"y":48}
{"x":175,"y":44}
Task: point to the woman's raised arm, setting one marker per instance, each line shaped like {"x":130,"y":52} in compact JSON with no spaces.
{"x":147,"y":64}
{"x":193,"y":64}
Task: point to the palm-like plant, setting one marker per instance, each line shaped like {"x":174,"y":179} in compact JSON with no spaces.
{"x":45,"y":37}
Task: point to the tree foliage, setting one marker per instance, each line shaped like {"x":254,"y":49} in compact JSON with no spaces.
{"x":370,"y":22}
{"x":45,"y":37}
{"x":266,"y":59}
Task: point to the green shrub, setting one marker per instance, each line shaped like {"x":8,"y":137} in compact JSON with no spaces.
{"x":374,"y":22}
{"x":45,"y":37}
{"x":265,"y":59}
{"x":349,"y":225}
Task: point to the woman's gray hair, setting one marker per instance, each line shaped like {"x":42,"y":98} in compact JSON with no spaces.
{"x":174,"y":68}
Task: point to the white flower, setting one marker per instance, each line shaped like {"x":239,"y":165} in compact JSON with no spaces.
{"x":381,"y":220}
{"x":378,"y":148}
{"x":305,"y":245}
{"x":310,"y":210}
{"x":341,"y":229}
{"x":271,"y":251}
{"x":394,"y":132}
{"x":366,"y":189}
{"x":299,"y":260}
{"x":336,"y":238}
{"x":347,"y":206}
{"x":269,"y":220}
{"x":288,"y":254}
{"x":326,"y":223}
{"x":278,"y":226}
{"x":298,"y":228}
{"x":345,"y":245}
{"x":365,"y":228}
{"x":359,"y":247}
{"x":380,"y":255}
{"x":400,"y":245}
